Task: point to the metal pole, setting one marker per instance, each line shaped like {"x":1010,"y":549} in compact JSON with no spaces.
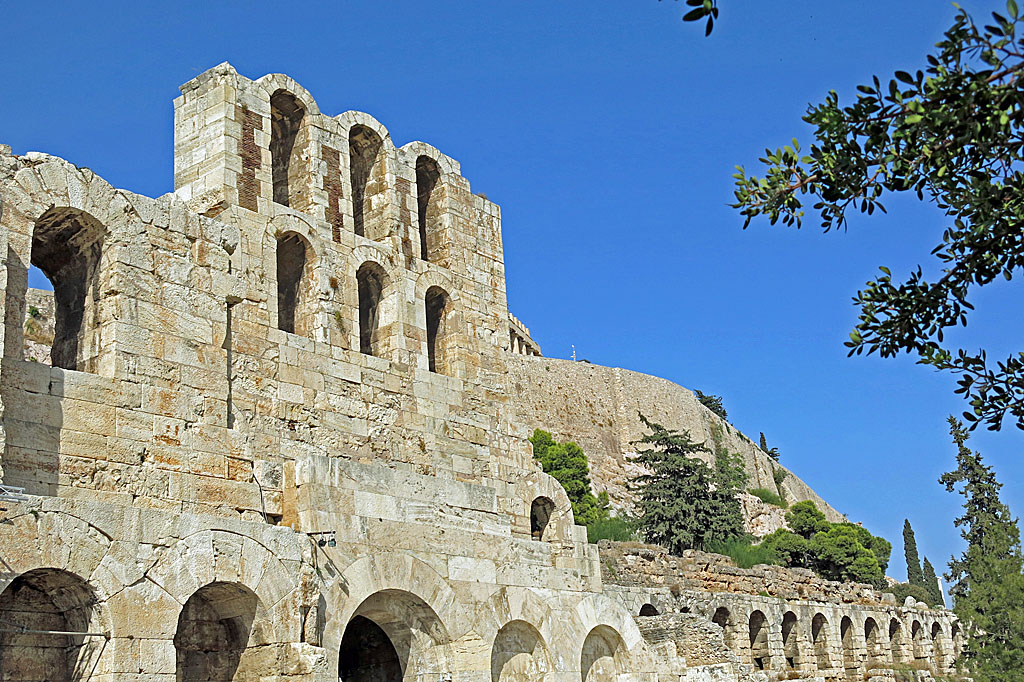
{"x":26,"y":631}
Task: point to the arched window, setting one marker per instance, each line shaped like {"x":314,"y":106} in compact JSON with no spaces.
{"x":286,"y":118}
{"x":367,"y":175}
{"x":67,"y":245}
{"x":519,"y":654}
{"x":819,"y":640}
{"x":873,"y":640}
{"x":370,"y":281}
{"x":427,"y":201}
{"x":540,"y":514}
{"x":440,"y":335}
{"x":723,"y":619}
{"x":790,"y":646}
{"x":760,"y":655}
{"x":295,"y":295}
{"x":217,"y":635}
{"x":846,"y":638}
{"x":896,"y":644}
{"x":604,"y":656}
{"x":917,"y":641}
{"x":938,"y":651}
{"x":958,"y":640}
{"x":648,"y":610}
{"x":46,"y":599}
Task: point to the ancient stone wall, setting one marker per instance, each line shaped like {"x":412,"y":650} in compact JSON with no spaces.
{"x":597,"y":407}
{"x":265,"y":430}
{"x":788,"y":621}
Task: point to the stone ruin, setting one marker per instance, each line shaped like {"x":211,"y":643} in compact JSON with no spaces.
{"x":273,"y":426}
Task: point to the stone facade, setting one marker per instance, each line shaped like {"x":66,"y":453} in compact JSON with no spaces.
{"x":268,"y":427}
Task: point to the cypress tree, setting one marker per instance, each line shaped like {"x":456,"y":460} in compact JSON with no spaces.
{"x":914,"y":574}
{"x":764,"y":443}
{"x":684,"y":504}
{"x":987,"y":580}
{"x":931,"y":583}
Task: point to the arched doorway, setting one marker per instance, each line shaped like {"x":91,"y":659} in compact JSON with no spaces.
{"x":846,"y":638}
{"x":519,"y":654}
{"x":540,"y":516}
{"x":873,"y":641}
{"x":220,"y":629}
{"x":896,"y":641}
{"x":790,"y":645}
{"x":819,"y":640}
{"x":603,"y":658}
{"x":32,"y":608}
{"x":393,"y":635}
{"x":760,"y":655}
{"x":723,"y":619}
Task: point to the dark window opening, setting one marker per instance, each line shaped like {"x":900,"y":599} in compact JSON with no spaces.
{"x":370,"y":282}
{"x":439,"y":341}
{"x":427,"y":175}
{"x":364,"y":148}
{"x":367,"y":654}
{"x":540,"y":515}
{"x":286,"y":116}
{"x":648,"y":610}
{"x":67,"y":245}
{"x":214,"y":629}
{"x":292,"y":291}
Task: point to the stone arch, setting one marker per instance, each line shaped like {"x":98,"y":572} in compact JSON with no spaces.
{"x":897,"y":644}
{"x":220,"y":632}
{"x":790,"y":640}
{"x":760,"y":650}
{"x":603,"y":657}
{"x":957,"y":638}
{"x":540,"y":485}
{"x":648,"y":609}
{"x":393,"y":635}
{"x":290,"y":142}
{"x":723,"y":619}
{"x":442,"y":332}
{"x":273,"y":82}
{"x":372,"y":284}
{"x":368,"y":179}
{"x":43,"y":602}
{"x":938,"y":645}
{"x":402,"y":585}
{"x":874,"y":643}
{"x":220,"y":556}
{"x":516,"y":603}
{"x":819,"y":641}
{"x":67,"y":246}
{"x":296,"y":284}
{"x":429,"y":210}
{"x":519,"y":654}
{"x":846,"y":640}
{"x":917,"y":641}
{"x":541,"y":511}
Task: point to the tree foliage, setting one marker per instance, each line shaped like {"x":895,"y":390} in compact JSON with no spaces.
{"x":987,"y":580}
{"x":713,"y":403}
{"x":771,"y":452}
{"x":567,"y":463}
{"x":837,"y":551}
{"x":914,"y":575}
{"x":683,"y":503}
{"x":702,"y":10}
{"x":952,"y":134}
{"x":931,"y":584}
{"x":903,"y":590}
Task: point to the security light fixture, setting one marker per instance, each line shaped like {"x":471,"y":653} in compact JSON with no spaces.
{"x":324,"y":538}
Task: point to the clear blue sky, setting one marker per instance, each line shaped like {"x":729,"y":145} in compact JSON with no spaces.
{"x":607,"y":131}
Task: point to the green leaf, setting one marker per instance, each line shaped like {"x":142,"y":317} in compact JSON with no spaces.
{"x":1011,"y":8}
{"x":905,"y":77}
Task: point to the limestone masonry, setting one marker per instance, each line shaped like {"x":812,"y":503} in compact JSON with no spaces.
{"x":273,"y":426}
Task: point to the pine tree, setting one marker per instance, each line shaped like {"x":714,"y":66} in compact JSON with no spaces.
{"x":684,"y":504}
{"x":764,"y":443}
{"x":987,"y":580}
{"x":567,"y":463}
{"x":914,"y":575}
{"x":931,"y":584}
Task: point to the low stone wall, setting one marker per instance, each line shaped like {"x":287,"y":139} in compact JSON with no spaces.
{"x":633,"y":564}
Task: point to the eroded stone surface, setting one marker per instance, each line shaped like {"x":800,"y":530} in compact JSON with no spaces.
{"x":244,"y":461}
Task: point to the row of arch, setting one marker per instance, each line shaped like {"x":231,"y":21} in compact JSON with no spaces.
{"x":821,"y":645}
{"x":224,"y":634}
{"x":296,"y":303}
{"x":67,"y":246}
{"x":289,"y":151}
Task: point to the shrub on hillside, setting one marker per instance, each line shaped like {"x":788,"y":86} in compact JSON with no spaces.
{"x":769,"y":496}
{"x":743,"y":553}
